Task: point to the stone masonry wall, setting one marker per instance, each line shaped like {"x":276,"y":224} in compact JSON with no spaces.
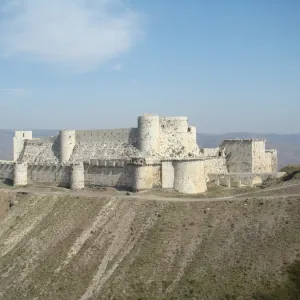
{"x":18,"y":142}
{"x":189,"y":176}
{"x":258,"y":156}
{"x":121,"y":136}
{"x":40,"y":151}
{"x":50,"y":175}
{"x":156,"y":175}
{"x":108,"y":176}
{"x":105,"y":144}
{"x":215,"y":165}
{"x":210,"y":152}
{"x":238,"y":155}
{"x":177,"y":138}
{"x":146,"y":177}
{"x":167,"y":172}
{"x":97,"y":150}
{"x":271,"y":163}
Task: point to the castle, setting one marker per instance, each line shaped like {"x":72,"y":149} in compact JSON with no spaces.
{"x":161,"y":152}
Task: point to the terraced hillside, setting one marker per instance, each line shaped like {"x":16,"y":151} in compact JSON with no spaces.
{"x":55,"y":245}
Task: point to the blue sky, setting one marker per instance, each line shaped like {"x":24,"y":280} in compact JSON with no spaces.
{"x":228,"y":65}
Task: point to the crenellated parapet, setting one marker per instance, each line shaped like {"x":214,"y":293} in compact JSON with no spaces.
{"x":117,"y":163}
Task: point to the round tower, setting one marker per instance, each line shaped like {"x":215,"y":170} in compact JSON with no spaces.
{"x":142,"y":175}
{"x":191,"y":139}
{"x":189,"y":176}
{"x":148,"y":129}
{"x":20,"y":174}
{"x":67,"y":144}
{"x":77,"y":177}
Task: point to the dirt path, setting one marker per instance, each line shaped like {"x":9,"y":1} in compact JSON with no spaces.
{"x":147,"y":197}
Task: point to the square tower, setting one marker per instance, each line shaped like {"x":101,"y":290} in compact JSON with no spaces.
{"x":245,"y":155}
{"x":18,"y":142}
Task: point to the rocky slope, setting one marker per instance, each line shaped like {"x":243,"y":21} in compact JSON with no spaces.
{"x":116,"y":247}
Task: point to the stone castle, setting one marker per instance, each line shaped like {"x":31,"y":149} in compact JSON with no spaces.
{"x":161,"y":152}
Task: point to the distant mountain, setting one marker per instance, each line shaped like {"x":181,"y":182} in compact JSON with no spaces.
{"x":287,"y":145}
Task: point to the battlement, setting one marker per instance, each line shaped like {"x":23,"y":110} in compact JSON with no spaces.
{"x":161,"y":151}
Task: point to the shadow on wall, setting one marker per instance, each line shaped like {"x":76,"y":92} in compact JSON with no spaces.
{"x":56,"y":147}
{"x":133,"y":137}
{"x":125,"y":180}
{"x":21,"y":155}
{"x":59,"y":176}
{"x":119,"y":178}
{"x":8,"y":182}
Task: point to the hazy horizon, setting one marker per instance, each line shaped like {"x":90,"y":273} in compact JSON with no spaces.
{"x":200,"y":133}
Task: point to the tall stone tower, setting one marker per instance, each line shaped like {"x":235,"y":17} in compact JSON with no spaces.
{"x":18,"y":142}
{"x":67,"y":144}
{"x":148,"y":132}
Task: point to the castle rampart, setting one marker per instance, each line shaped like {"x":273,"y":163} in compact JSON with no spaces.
{"x":161,"y":152}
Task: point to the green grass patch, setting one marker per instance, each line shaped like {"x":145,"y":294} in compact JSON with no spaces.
{"x":289,"y":290}
{"x":292,"y":172}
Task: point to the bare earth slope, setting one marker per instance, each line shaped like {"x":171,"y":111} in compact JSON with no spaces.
{"x":61,"y":246}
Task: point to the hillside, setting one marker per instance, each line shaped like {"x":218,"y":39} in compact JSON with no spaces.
{"x":288,"y":145}
{"x":106,"y":245}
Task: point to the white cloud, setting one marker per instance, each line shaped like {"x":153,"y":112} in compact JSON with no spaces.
{"x":117,"y":67}
{"x":16,"y":93}
{"x":77,"y":34}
